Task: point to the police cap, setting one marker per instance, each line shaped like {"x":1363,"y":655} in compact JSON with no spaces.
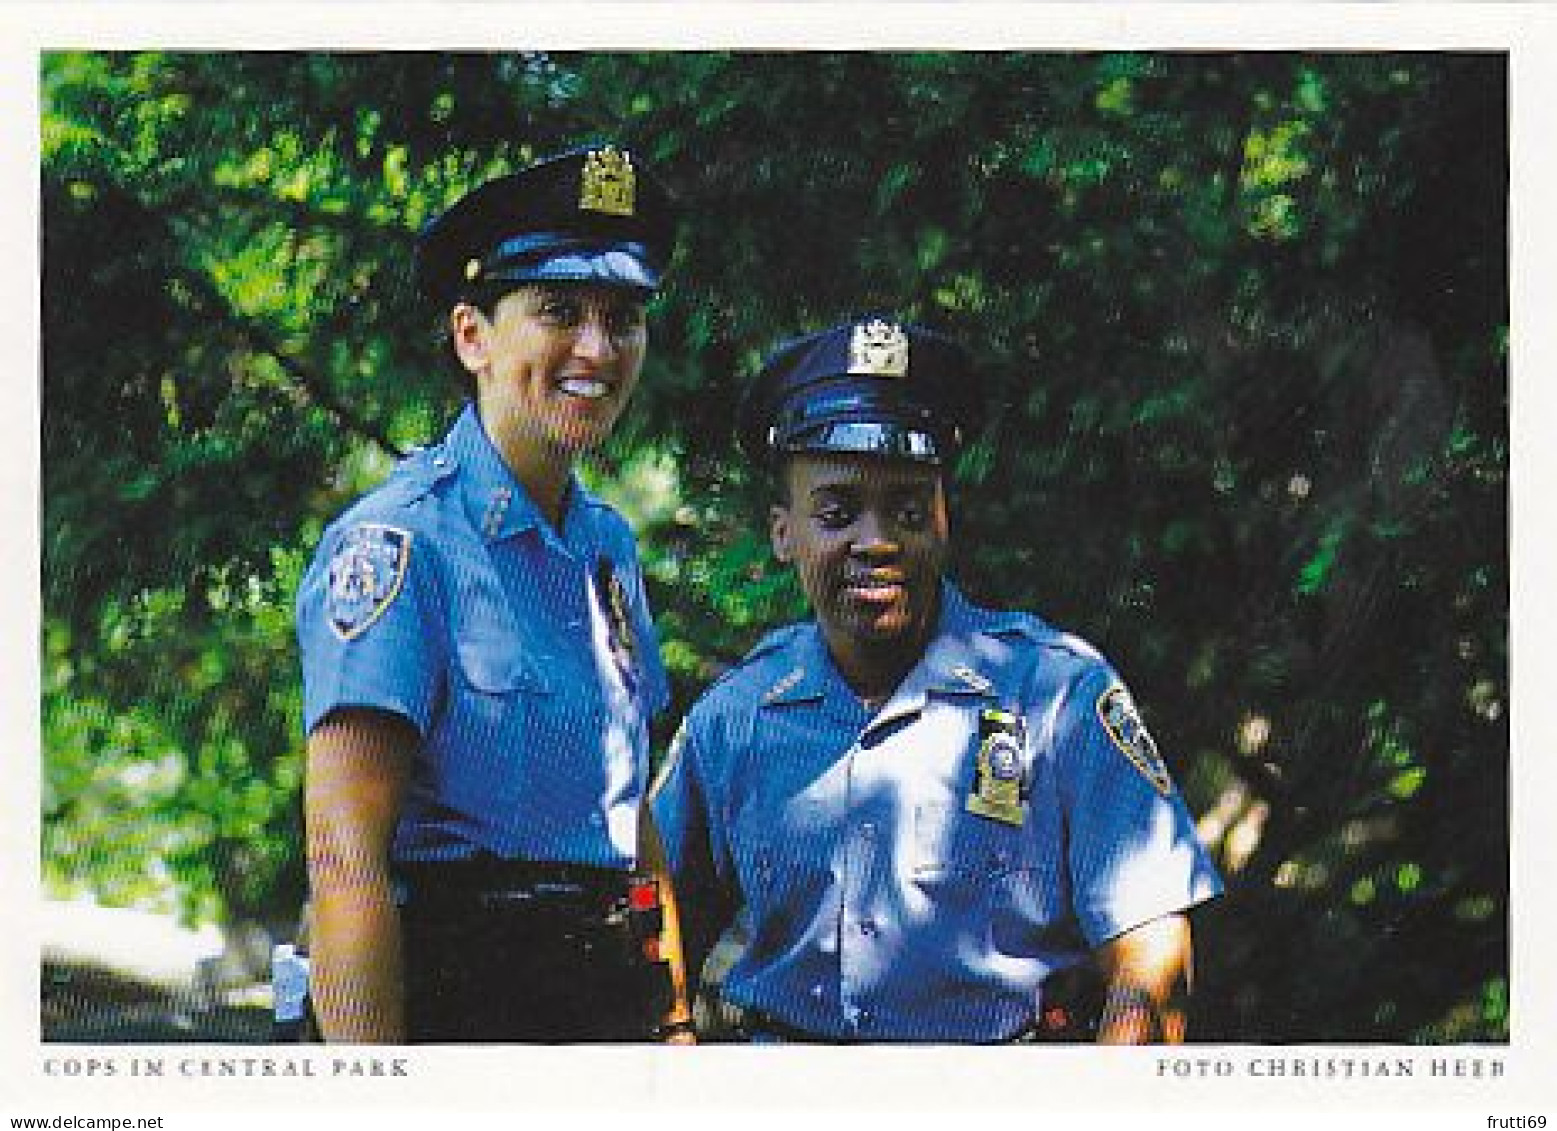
{"x":592,"y":215}
{"x":872,"y":386}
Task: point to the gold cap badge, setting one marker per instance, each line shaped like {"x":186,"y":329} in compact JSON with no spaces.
{"x":609,"y":184}
{"x":878,"y":349}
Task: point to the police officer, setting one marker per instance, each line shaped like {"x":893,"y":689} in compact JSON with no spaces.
{"x":920,"y":815}
{"x":479,"y":663}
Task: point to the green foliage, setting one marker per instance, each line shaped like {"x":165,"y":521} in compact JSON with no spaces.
{"x":1243,"y":325}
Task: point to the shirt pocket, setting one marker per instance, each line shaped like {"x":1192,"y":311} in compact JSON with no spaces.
{"x":493,"y":665}
{"x":952,"y":844}
{"x":993,"y":879}
{"x":494,"y":682}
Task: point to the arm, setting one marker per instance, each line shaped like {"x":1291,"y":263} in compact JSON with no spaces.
{"x":651,"y":854}
{"x":681,"y":818}
{"x":1146,"y":975}
{"x":356,"y":773}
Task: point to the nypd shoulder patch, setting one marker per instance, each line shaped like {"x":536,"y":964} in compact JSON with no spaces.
{"x":1122,"y":722}
{"x":366,"y":575}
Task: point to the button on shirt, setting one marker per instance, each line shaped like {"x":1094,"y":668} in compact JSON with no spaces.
{"x":915,"y":873}
{"x":525,"y":657}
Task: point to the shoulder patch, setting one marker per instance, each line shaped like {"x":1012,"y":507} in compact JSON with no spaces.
{"x":366,"y":575}
{"x":1122,"y":722}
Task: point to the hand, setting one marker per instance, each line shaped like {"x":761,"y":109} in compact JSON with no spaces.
{"x":683,"y":1032}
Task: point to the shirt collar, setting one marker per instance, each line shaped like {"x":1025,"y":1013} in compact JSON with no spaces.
{"x":950,"y":666}
{"x":496,"y":501}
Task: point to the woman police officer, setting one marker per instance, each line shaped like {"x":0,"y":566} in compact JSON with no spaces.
{"x":479,"y":662}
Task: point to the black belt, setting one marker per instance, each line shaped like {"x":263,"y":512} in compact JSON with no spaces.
{"x":755,"y":1024}
{"x":488,"y":883}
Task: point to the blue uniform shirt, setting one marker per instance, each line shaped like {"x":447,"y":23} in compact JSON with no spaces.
{"x":526,"y":659}
{"x":916,"y":873}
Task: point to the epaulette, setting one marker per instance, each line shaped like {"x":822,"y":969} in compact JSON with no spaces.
{"x":1071,"y":643}
{"x":769,"y":643}
{"x":1011,"y":623}
{"x":414,"y":477}
{"x":420,"y":471}
{"x":772,"y":642}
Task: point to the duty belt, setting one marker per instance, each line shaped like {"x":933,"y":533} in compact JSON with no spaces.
{"x":491,"y":884}
{"x":755,"y":1025}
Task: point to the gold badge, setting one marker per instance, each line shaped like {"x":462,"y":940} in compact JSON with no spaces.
{"x":472,"y":270}
{"x":878,"y":349}
{"x":609,"y":183}
{"x":998,"y":778}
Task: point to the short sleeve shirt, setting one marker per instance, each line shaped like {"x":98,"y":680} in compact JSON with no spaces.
{"x":917,"y":872}
{"x":526,"y":658}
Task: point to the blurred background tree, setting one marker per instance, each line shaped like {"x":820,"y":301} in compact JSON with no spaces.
{"x":1243,"y":320}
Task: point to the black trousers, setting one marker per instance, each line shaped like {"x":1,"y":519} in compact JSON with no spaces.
{"x":490,"y":959}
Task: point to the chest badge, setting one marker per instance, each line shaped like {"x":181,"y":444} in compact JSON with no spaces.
{"x":999,"y":791}
{"x":1116,"y":710}
{"x":366,"y":574}
{"x":619,"y":625}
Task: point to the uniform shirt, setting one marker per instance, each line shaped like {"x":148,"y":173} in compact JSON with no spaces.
{"x":526,"y":659}
{"x":916,"y":873}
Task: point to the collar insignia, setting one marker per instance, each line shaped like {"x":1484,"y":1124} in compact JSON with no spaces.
{"x":783,"y":685}
{"x":972,"y":678}
{"x":878,"y":349}
{"x":497,"y":510}
{"x":609,"y":183}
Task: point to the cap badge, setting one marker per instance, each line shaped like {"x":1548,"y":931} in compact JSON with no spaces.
{"x":609,"y":183}
{"x":472,"y":270}
{"x":878,"y":349}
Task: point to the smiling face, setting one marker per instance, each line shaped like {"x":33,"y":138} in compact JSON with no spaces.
{"x":868,"y":537}
{"x":554,"y":365}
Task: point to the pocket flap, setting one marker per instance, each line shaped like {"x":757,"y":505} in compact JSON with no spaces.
{"x":495,"y":666}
